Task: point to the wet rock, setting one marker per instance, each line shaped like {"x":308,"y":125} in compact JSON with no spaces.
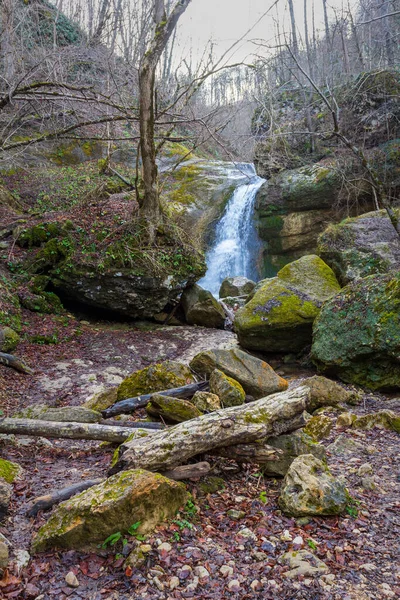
{"x":228,"y":390}
{"x":310,"y":489}
{"x":356,"y":335}
{"x":171,"y":409}
{"x":9,"y":339}
{"x":125,"y":498}
{"x":293,"y":445}
{"x":236,"y":286}
{"x":201,"y":308}
{"x":302,"y":563}
{"x":156,"y":378}
{"x":280,"y":315}
{"x":256,"y":376}
{"x":206,"y":401}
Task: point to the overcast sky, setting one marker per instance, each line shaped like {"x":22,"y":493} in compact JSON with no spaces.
{"x":225,"y":21}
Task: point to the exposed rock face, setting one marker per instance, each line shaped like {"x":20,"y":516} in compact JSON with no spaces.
{"x":256,"y":376}
{"x":279,"y":316}
{"x":156,"y":378}
{"x":228,"y":390}
{"x":201,"y":308}
{"x":310,"y":489}
{"x":362,"y":246}
{"x":236,"y":286}
{"x":357,"y":333}
{"x":122,"y":500}
{"x":293,"y":445}
{"x":8,"y":339}
{"x":174,"y":410}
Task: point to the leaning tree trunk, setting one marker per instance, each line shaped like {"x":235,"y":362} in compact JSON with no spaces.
{"x":267,"y":417}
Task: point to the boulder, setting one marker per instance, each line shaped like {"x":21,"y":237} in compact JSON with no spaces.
{"x":279,"y":316}
{"x":127,"y":498}
{"x":229,"y":391}
{"x":102,"y":400}
{"x":156,"y":378}
{"x":236,"y":286}
{"x":309,"y":489}
{"x":9,"y":471}
{"x":62,"y":414}
{"x":302,"y":563}
{"x":206,"y":401}
{"x":383,"y":419}
{"x":357,"y":333}
{"x":325,"y":392}
{"x":361,"y":246}
{"x":201,"y":308}
{"x":173,"y":410}
{"x":4,"y":557}
{"x":5,"y":496}
{"x":293,"y":445}
{"x":319,"y":427}
{"x":8,"y":339}
{"x":255,"y":376}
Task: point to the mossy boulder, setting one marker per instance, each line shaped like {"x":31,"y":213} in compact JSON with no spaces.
{"x":5,"y":497}
{"x":279,"y":316}
{"x":309,"y":489}
{"x":201,"y":308}
{"x":236,"y":286}
{"x":102,"y":400}
{"x":4,"y":556}
{"x":383,"y":419}
{"x":325,"y":392}
{"x":173,"y":410}
{"x":9,"y":471}
{"x":62,"y":414}
{"x":156,"y":378}
{"x":228,"y":390}
{"x":9,"y":339}
{"x":10,"y":310}
{"x":257,"y":377}
{"x":129,"y":497}
{"x":361,"y":246}
{"x":38,"y":234}
{"x":357,"y":333}
{"x":292,"y":445}
{"x":206,"y":401}
{"x":319,"y":427}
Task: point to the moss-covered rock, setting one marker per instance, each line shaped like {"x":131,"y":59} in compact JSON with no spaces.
{"x":201,"y":308}
{"x":310,"y":489}
{"x":319,"y":427}
{"x":279,"y":316}
{"x":212,"y":484}
{"x":292,"y":445}
{"x":236,"y":286}
{"x":173,"y":410}
{"x":102,"y":400}
{"x":9,"y":339}
{"x":62,"y":414}
{"x":255,"y":376}
{"x":10,"y":310}
{"x":156,"y":378}
{"x":357,"y":333}
{"x":206,"y":401}
{"x":5,"y":497}
{"x":325,"y":392}
{"x":127,"y":498}
{"x":383,"y":419}
{"x":361,"y":246}
{"x":9,"y":471}
{"x":228,"y":390}
{"x":38,"y":234}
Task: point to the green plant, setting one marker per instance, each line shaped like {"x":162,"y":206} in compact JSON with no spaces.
{"x":190,"y":509}
{"x":311,"y":544}
{"x":263,"y":497}
{"x":112,"y":539}
{"x":351,"y":507}
{"x":183,"y":524}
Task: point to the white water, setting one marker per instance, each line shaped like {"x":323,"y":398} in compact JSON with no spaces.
{"x":236,"y":244}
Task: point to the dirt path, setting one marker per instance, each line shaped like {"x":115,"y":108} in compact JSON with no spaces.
{"x":209,"y":554}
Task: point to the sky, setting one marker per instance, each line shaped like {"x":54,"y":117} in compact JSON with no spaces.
{"x":225,"y":21}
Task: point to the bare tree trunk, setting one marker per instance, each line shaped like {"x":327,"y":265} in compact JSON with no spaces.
{"x":7,"y":40}
{"x":326,"y":21}
{"x":387,"y":34}
{"x":150,"y":204}
{"x":355,"y":37}
{"x":103,"y":16}
{"x":295,"y":43}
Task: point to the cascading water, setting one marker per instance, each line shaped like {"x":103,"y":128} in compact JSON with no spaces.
{"x":236,"y":245}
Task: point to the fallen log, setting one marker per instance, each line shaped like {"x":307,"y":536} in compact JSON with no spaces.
{"x":244,"y":424}
{"x":70,"y":431}
{"x":131,"y":404}
{"x":9,"y":360}
{"x":134,"y":424}
{"x":49,"y":500}
{"x":194,"y":471}
{"x":249,"y":453}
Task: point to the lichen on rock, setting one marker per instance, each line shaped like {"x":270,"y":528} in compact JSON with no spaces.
{"x":229,"y":391}
{"x":156,"y":378}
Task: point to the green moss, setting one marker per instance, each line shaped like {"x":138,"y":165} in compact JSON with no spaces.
{"x":211,"y":485}
{"x":156,"y":378}
{"x":38,"y":234}
{"x":9,"y":470}
{"x":174,"y":410}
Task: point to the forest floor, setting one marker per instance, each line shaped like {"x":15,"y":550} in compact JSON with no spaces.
{"x":239,"y":558}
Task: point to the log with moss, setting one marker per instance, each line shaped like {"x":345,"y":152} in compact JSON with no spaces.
{"x":9,"y":360}
{"x":244,"y":424}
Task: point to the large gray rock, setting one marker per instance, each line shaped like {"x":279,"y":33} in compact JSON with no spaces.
{"x":362,"y":246}
{"x":201,"y":308}
{"x":292,"y":445}
{"x":256,"y":376}
{"x":279,"y":316}
{"x":62,"y":414}
{"x":236,"y":286}
{"x":5,"y":497}
{"x":310,"y":489}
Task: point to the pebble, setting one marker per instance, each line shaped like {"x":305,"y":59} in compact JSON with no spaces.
{"x":256,"y":585}
{"x":164,"y":547}
{"x":286,"y":537}
{"x":201,"y":572}
{"x":185,"y":572}
{"x":226,"y":571}
{"x":247,"y":534}
{"x":234,"y":585}
{"x":174,"y":583}
{"x":71,"y":580}
{"x":192,"y":587}
{"x":298,"y":541}
{"x":236,"y":515}
{"x":259,"y":556}
{"x":22,"y":558}
{"x":368,"y":567}
{"x":159,"y":584}
{"x":365,"y":469}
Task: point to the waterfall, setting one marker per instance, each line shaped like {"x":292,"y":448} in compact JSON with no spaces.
{"x":236,"y":244}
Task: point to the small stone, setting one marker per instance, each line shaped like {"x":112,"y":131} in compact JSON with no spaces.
{"x":234,"y":585}
{"x":145,"y":548}
{"x":239,"y":499}
{"x":298,"y":541}
{"x":365,"y":469}
{"x":185,"y":572}
{"x":192,"y":587}
{"x":247,"y":534}
{"x":71,"y":580}
{"x":236,"y":515}
{"x":368,"y":483}
{"x":164,"y":547}
{"x":286,"y":537}
{"x":159,"y":584}
{"x":256,"y":585}
{"x":201,"y":572}
{"x":174,"y":583}
{"x":22,"y":558}
{"x":226,"y":571}
{"x":268,"y":546}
